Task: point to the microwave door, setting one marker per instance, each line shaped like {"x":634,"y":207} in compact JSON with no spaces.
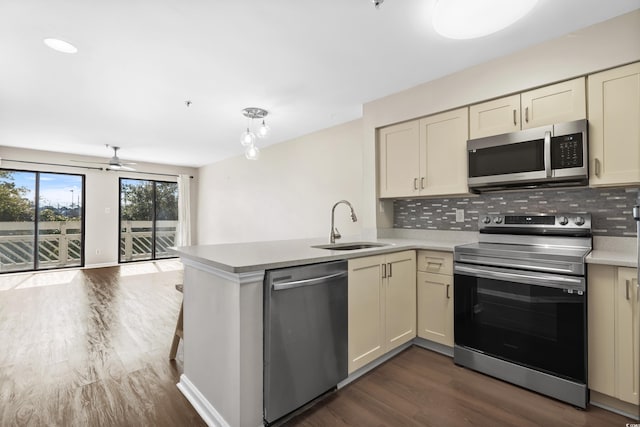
{"x":511,"y":158}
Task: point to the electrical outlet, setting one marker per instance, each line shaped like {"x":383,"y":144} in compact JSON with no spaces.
{"x":459,"y":215}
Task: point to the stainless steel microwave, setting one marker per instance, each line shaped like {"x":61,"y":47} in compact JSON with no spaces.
{"x":546,"y":156}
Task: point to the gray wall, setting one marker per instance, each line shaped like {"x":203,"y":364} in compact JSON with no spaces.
{"x":610,"y":208}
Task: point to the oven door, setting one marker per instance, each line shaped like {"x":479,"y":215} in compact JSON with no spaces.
{"x":532,"y":319}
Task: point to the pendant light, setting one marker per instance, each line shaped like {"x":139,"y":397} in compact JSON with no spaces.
{"x":248,"y":138}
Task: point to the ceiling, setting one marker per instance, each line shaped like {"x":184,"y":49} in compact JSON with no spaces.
{"x":311,"y":64}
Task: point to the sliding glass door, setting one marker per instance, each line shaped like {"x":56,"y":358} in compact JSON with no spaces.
{"x":148,"y":219}
{"x":41,"y":220}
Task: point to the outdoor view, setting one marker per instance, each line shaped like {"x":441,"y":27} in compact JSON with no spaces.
{"x":148,"y":219}
{"x":53,"y":237}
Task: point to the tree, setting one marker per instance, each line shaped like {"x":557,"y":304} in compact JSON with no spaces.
{"x":137,"y":200}
{"x":14,"y":206}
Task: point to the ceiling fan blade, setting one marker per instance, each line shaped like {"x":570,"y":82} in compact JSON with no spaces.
{"x":126,"y":168}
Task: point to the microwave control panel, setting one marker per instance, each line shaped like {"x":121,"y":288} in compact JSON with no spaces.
{"x":567,"y":151}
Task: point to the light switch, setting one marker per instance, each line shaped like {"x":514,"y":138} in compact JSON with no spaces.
{"x":107,"y":210}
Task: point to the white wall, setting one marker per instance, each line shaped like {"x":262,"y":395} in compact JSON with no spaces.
{"x":101,"y":195}
{"x":286,"y":194}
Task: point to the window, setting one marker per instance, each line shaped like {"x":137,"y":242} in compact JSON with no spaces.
{"x":148,"y":219}
{"x":41,"y":220}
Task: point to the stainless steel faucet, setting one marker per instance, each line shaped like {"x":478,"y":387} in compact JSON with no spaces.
{"x":335,"y":234}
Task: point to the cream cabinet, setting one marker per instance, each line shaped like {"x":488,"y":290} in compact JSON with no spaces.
{"x":382,"y":305}
{"x":614,"y":126}
{"x":399,"y":159}
{"x":443,"y":140}
{"x":435,"y":296}
{"x":613,"y":325}
{"x":560,"y":102}
{"x":424,"y":157}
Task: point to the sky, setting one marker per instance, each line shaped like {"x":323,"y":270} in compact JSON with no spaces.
{"x":55,"y":189}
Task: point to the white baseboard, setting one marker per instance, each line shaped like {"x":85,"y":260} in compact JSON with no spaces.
{"x":201,"y":404}
{"x":101,"y":265}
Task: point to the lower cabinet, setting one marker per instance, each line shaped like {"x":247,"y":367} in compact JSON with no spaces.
{"x":382,"y":305}
{"x":435,"y":296}
{"x":613,"y":325}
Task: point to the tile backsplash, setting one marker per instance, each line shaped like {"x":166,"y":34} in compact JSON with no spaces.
{"x":610,"y":208}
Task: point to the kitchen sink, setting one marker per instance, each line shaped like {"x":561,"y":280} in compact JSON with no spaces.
{"x":350,"y":246}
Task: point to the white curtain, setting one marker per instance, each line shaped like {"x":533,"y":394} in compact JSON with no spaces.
{"x":183,"y":235}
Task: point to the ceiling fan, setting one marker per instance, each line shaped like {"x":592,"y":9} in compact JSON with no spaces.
{"x":114,"y":162}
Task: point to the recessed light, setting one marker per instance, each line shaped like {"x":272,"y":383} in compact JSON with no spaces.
{"x":60,"y":45}
{"x":468,"y":19}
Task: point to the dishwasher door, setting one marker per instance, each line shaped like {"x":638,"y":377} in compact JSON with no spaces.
{"x":305,"y":335}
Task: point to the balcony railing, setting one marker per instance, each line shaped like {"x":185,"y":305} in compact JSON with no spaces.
{"x":60,"y":243}
{"x":136,"y":239}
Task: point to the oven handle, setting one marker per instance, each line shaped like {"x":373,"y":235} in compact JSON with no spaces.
{"x":538,"y":279}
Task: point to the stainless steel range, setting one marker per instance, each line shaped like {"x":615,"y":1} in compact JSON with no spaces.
{"x":520,"y":302}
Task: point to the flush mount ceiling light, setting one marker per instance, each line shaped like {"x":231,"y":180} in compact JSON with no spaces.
{"x":468,"y":19}
{"x":60,"y":45}
{"x":248,"y":137}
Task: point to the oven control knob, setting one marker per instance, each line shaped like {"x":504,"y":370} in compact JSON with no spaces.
{"x":563,"y":220}
{"x":579,"y":221}
{"x":486,"y":220}
{"x":497,"y":220}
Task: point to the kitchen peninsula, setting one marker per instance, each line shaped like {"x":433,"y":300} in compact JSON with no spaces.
{"x":223,"y":316}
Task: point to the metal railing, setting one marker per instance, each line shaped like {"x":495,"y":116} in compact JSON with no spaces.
{"x":60,"y":243}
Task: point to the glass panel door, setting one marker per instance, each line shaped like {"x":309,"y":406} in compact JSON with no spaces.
{"x":60,"y":200}
{"x":17,"y":220}
{"x":166,"y":196}
{"x":136,"y":220}
{"x":41,"y":220}
{"x":148,"y":219}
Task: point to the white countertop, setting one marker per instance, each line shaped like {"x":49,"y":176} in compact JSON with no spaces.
{"x":256,"y":256}
{"x":617,"y":251}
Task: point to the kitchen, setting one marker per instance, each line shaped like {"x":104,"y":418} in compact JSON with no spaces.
{"x":356,"y":140}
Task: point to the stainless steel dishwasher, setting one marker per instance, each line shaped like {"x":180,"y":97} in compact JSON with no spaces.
{"x":305,"y":335}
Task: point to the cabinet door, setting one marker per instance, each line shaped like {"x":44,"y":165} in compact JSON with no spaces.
{"x":400,"y":292}
{"x":495,"y":117}
{"x":561,"y":102}
{"x":627,"y":354}
{"x":399,"y":151}
{"x":366,"y":311}
{"x":435,"y":307}
{"x":614,"y":126}
{"x":443,"y":140}
{"x":601,"y":296}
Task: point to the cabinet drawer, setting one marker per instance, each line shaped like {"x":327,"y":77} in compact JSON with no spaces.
{"x":435,"y":262}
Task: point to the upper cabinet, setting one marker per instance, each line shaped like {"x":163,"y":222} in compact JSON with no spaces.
{"x":614,"y":126}
{"x":399,"y":163}
{"x":557,"y":103}
{"x":424,"y":157}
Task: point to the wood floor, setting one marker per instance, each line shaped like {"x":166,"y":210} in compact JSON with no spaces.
{"x":422,"y":388}
{"x":90,"y":348}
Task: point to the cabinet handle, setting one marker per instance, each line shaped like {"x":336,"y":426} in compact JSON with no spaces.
{"x":627,"y":290}
{"x":515,"y":120}
{"x":596,"y":166}
{"x":448,"y":286}
{"x":415,"y":183}
{"x":526,"y":114}
{"x":390,"y":271}
{"x":422,"y":183}
{"x":384,"y":271}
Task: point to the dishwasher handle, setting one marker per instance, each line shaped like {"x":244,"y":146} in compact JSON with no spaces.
{"x":306,"y":282}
